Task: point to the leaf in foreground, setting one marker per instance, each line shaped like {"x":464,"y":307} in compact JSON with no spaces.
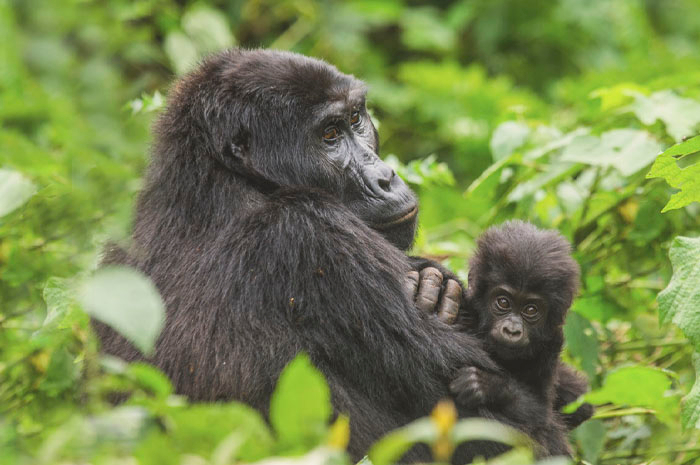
{"x":126,"y":300}
{"x":679,"y":303}
{"x":686,"y":179}
{"x":15,"y":189}
{"x":637,"y":386}
{"x":301,"y":405}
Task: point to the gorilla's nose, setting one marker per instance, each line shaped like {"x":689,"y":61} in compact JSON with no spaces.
{"x":512,"y":333}
{"x":379,"y":178}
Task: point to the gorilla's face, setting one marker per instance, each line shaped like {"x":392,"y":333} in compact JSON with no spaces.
{"x":343,"y":136}
{"x":307,"y":125}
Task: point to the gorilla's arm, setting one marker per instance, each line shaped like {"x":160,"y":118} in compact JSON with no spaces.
{"x":570,"y":386}
{"x":321,"y":281}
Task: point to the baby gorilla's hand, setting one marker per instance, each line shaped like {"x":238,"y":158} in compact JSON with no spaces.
{"x":431,"y":296}
{"x":475,"y":387}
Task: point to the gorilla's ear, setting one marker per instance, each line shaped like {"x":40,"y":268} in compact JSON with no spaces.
{"x":236,"y":159}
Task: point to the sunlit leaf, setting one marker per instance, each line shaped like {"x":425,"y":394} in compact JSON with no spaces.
{"x":680,"y":303}
{"x":638,"y":386}
{"x":680,"y":115}
{"x":627,"y":150}
{"x":301,"y":404}
{"x":15,"y":190}
{"x":507,"y":137}
{"x":686,"y":179}
{"x":127,"y":301}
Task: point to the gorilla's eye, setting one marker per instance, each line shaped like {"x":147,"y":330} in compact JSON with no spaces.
{"x":355,"y":119}
{"x":331,"y":134}
{"x":530,"y":311}
{"x":503,"y":303}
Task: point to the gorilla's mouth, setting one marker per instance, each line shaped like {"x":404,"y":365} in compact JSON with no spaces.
{"x":402,"y":218}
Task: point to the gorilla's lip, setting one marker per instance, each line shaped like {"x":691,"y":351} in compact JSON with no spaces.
{"x":402,"y":218}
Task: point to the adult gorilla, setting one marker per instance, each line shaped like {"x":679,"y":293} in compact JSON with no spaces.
{"x":270,"y":226}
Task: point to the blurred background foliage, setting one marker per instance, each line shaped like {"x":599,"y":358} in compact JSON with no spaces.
{"x":547,"y":110}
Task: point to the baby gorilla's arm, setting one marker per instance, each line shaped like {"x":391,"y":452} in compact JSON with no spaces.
{"x":570,"y":384}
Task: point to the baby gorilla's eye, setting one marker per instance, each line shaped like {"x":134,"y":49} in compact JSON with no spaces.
{"x":355,"y":119}
{"x":530,"y":311}
{"x":331,"y":134}
{"x":503,"y":303}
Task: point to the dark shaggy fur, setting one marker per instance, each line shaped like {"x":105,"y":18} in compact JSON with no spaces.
{"x":537,"y":267}
{"x":257,"y":235}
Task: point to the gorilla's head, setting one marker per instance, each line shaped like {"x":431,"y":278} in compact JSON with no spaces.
{"x":290,"y":121}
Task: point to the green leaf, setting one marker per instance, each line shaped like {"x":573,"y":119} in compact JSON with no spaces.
{"x":507,"y":137}
{"x":150,"y":378}
{"x":591,"y":437}
{"x":200,"y":428}
{"x":627,"y":150}
{"x":680,"y":115}
{"x":181,"y":51}
{"x":393,"y":445}
{"x":680,"y":303}
{"x":690,"y":411}
{"x":637,"y":386}
{"x":127,"y":301}
{"x":15,"y":190}
{"x":686,"y":179}
{"x":301,"y":404}
{"x":208,"y":28}
{"x":582,"y":342}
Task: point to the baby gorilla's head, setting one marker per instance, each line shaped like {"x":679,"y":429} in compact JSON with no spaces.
{"x":522,"y":281}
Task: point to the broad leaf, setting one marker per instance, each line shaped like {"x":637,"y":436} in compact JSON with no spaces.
{"x":680,"y":303}
{"x":627,"y":150}
{"x":15,"y":189}
{"x":127,"y":301}
{"x":680,"y":115}
{"x":301,"y":405}
{"x":508,"y":137}
{"x":686,"y":179}
{"x":637,"y":386}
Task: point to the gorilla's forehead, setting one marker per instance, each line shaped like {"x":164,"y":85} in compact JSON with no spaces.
{"x":289,"y":78}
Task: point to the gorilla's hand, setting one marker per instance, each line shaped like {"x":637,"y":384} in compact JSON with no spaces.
{"x":475,"y":387}
{"x":432,"y":296}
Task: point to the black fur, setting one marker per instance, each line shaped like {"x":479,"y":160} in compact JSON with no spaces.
{"x":257,"y":234}
{"x":537,"y":268}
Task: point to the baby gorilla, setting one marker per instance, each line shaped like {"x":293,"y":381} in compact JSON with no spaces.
{"x":522,"y":281}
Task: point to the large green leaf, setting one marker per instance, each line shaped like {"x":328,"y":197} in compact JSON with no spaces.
{"x":680,"y":115}
{"x":301,"y":405}
{"x":627,"y":150}
{"x":680,"y":303}
{"x":15,"y":189}
{"x":508,"y":137}
{"x":637,"y":386}
{"x":686,"y":179}
{"x":127,"y":301}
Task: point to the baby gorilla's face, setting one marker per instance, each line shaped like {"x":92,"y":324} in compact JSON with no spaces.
{"x":517,"y":320}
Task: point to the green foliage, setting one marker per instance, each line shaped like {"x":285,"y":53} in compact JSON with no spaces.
{"x":680,"y":303}
{"x":15,"y":189}
{"x":301,"y":405}
{"x":687,"y":178}
{"x":126,"y":300}
{"x":549,"y":111}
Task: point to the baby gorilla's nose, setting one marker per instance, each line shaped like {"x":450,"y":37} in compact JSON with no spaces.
{"x":511,"y":332}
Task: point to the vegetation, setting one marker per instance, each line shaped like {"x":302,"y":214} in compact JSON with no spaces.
{"x":550,"y":111}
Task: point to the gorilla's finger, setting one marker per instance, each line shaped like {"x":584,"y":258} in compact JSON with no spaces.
{"x":449,"y":305}
{"x":429,"y":289}
{"x":411,"y":285}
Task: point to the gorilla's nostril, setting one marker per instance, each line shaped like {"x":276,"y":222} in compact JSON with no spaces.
{"x":385,"y":184}
{"x":511,"y":332}
{"x":385,"y":180}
